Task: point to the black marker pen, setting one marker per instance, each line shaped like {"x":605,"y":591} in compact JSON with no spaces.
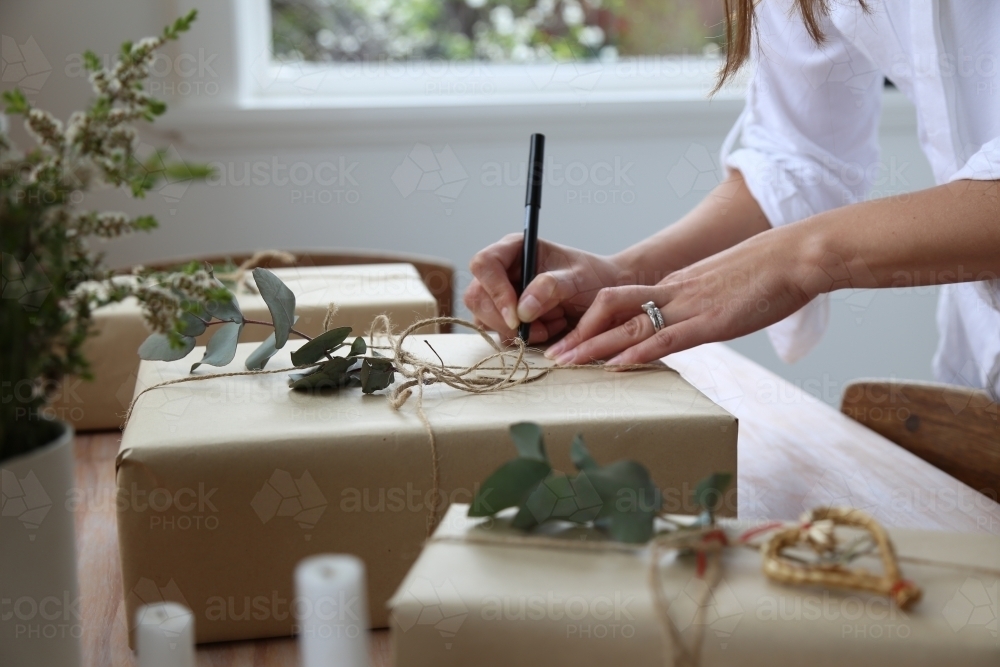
{"x":532,"y":204}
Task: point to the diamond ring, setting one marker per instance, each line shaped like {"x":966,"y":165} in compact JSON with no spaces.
{"x":655,"y":316}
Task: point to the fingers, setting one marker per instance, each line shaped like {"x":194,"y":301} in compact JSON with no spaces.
{"x":545,"y":292}
{"x":674,"y":338}
{"x":490,"y":268}
{"x":484,"y":310}
{"x":612,"y":306}
{"x":546,"y":328}
{"x":609,"y":343}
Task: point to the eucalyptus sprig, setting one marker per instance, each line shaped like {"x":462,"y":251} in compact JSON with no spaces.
{"x":619,"y":498}
{"x":322,"y":370}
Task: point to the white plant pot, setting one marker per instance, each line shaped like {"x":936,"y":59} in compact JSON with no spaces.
{"x":40,"y":621}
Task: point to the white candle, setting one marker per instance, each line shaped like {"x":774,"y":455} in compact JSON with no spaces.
{"x":165,"y":635}
{"x":332,"y":611}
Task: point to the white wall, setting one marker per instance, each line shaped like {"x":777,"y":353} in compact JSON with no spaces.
{"x":664,"y":166}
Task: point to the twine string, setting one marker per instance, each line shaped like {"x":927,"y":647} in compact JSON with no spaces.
{"x":708,"y":543}
{"x":239,"y":274}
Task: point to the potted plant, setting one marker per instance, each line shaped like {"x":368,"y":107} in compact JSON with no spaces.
{"x":52,"y":280}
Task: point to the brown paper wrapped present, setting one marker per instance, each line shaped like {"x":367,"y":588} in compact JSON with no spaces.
{"x":482,"y":593}
{"x":226,"y":483}
{"x":361,"y":292}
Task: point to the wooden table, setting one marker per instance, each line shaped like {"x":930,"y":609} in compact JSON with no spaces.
{"x":795,"y":452}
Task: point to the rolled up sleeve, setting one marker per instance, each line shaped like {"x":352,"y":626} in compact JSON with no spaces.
{"x":807,"y":138}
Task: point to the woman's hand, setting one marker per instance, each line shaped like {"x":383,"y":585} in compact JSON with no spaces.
{"x":567,"y":282}
{"x":735,"y":292}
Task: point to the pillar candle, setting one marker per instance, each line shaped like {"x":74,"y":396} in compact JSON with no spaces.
{"x":332,"y":611}
{"x":165,"y":635}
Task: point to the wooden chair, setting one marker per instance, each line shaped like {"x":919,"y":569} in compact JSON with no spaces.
{"x":438,"y":275}
{"x":954,"y":428}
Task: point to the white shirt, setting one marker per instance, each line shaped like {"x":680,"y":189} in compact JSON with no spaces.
{"x":809,"y":137}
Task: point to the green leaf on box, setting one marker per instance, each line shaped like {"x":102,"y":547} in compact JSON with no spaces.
{"x":509,"y":486}
{"x":376,"y":374}
{"x":709,"y":492}
{"x":192,"y":325}
{"x":280,"y":303}
{"x":159,"y":348}
{"x":221,"y":348}
{"x":528,"y":440}
{"x":260,"y":356}
{"x":227,"y":310}
{"x":358,"y":347}
{"x":314,"y":350}
{"x":328,"y":375}
{"x":580,"y":456}
{"x":620,"y":498}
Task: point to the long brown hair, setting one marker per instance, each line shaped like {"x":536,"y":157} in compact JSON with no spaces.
{"x":741,"y":25}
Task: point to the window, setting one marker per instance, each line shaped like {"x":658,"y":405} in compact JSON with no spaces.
{"x":482,"y":53}
{"x":494,"y":31}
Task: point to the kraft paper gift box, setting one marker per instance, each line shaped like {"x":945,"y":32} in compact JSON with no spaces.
{"x":225,"y":484}
{"x":361,"y":292}
{"x":471,"y":599}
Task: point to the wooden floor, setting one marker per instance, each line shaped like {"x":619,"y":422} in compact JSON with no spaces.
{"x":794,"y":453}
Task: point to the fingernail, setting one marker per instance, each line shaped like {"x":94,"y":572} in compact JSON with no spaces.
{"x":529,"y":308}
{"x":614,"y":361}
{"x":510,"y":317}
{"x":566,"y":358}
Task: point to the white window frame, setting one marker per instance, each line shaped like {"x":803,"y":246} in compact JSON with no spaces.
{"x":451,"y":83}
{"x":262,"y":104}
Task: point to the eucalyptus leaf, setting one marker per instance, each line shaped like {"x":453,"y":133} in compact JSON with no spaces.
{"x":192,"y":325}
{"x":280,"y":303}
{"x":358,"y":347}
{"x":314,"y":350}
{"x":221,"y":348}
{"x":260,"y":356}
{"x":329,"y":375}
{"x":709,"y":492}
{"x":528,"y":440}
{"x":509,"y":486}
{"x":580,"y":456}
{"x":158,"y":348}
{"x":227,"y":310}
{"x":376,"y":374}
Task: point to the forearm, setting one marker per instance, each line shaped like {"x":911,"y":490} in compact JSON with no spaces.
{"x":946,"y":234}
{"x":727,"y":216}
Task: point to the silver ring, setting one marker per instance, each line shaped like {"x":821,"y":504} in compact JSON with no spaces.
{"x":655,"y":316}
